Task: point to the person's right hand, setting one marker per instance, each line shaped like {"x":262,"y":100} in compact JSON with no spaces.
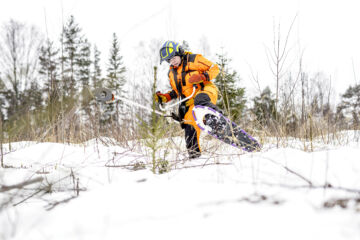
{"x":161,"y":97}
{"x":197,"y":78}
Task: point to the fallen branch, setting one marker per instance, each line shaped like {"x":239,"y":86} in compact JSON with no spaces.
{"x":40,"y":190}
{"x":53,"y":205}
{"x":291,"y":171}
{"x":325,"y":186}
{"x":21,"y":185}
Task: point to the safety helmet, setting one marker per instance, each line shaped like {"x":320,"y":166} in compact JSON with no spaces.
{"x":169,"y":50}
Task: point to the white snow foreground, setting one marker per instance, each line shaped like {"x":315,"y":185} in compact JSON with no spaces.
{"x":94,"y":192}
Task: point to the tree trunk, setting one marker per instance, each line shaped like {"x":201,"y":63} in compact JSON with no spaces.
{"x":302,"y":98}
{"x":1,"y":142}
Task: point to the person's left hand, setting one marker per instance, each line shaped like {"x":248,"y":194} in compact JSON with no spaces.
{"x":161,"y":97}
{"x":197,"y":78}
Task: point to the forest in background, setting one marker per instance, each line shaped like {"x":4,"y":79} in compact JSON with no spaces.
{"x":46,"y":88}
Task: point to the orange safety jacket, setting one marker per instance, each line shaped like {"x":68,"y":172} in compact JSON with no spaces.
{"x":192,"y":64}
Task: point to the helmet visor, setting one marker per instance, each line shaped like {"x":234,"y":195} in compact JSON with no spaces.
{"x":166,"y":53}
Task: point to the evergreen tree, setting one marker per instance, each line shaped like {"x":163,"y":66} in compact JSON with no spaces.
{"x":96,"y":82}
{"x":71,"y":40}
{"x":84,"y":72}
{"x":153,"y":131}
{"x":84,"y":64}
{"x":264,"y":107}
{"x":31,"y":109}
{"x":115,"y":80}
{"x":2,"y":98}
{"x":32,"y":97}
{"x":231,"y":97}
{"x":96,"y":72}
{"x":10,"y":100}
{"x":48,"y":60}
{"x":116,"y":69}
{"x":49,"y":70}
{"x":350,"y":105}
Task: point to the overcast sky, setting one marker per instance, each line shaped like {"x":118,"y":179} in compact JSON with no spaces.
{"x":327,"y":31}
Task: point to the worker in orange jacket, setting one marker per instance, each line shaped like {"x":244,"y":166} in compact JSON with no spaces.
{"x":188,"y":70}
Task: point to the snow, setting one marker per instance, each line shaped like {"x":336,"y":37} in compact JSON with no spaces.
{"x":225,"y":194}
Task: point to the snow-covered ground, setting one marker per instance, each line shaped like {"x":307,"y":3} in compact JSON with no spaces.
{"x":99,"y":190}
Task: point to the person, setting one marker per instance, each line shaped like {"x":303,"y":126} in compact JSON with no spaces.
{"x":188,"y":70}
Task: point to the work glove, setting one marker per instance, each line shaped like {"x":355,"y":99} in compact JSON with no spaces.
{"x":162,"y":98}
{"x":197,"y":78}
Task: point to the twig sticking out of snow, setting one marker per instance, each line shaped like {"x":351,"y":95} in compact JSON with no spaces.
{"x":5,"y":188}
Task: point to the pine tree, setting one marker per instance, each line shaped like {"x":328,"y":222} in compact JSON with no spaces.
{"x":32,"y":108}
{"x":2,"y":103}
{"x":84,"y":64}
{"x":350,"y":105}
{"x":97,"y":81}
{"x":48,"y":60}
{"x":32,"y":97}
{"x":116,"y":70}
{"x":115,"y":78}
{"x":49,"y":70}
{"x":231,"y":97}
{"x":153,"y":132}
{"x":2,"y":98}
{"x":264,"y":107}
{"x":71,"y":40}
{"x":84,"y":73}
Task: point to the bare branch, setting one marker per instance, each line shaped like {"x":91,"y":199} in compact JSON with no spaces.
{"x":288,"y":35}
{"x":5,"y":188}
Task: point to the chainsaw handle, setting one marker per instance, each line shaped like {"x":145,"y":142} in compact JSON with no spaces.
{"x":177,"y":103}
